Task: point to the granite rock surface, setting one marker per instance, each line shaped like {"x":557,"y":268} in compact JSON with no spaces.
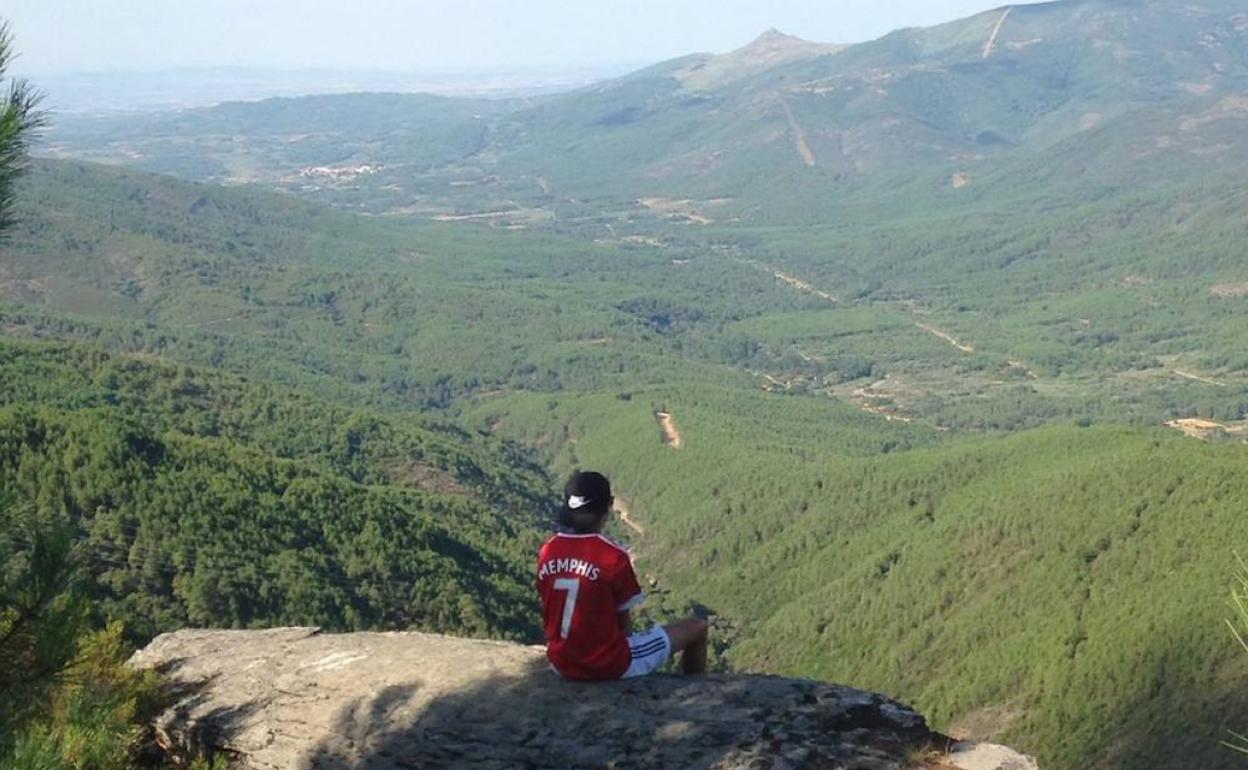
{"x":297,"y":698}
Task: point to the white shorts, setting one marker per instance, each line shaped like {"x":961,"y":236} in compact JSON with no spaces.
{"x":650,"y":649}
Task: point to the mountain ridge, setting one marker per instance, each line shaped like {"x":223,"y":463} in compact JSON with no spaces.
{"x":772,"y":48}
{"x":827,"y":125}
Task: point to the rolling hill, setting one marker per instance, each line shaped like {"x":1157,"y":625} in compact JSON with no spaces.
{"x":785,"y":129}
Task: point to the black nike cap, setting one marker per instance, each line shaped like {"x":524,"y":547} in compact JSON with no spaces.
{"x":587,"y":491}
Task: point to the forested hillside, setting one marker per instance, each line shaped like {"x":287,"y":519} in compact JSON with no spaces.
{"x":828,"y":539}
{"x":201,"y":499}
{"x":1049,"y":588}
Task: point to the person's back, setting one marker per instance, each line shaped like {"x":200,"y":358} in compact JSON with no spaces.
{"x":588,"y":589}
{"x":585,"y":581}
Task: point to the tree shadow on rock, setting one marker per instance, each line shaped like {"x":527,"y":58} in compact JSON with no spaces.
{"x":197,"y":732}
{"x":188,"y":725}
{"x":537,"y":720}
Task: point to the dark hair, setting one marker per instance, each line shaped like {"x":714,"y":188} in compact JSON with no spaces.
{"x":586,"y":500}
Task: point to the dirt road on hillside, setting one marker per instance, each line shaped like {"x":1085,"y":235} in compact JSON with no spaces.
{"x":1195,"y":427}
{"x":1198,"y":378}
{"x":199,"y":324}
{"x":792,"y":281}
{"x":991,"y":45}
{"x":805,"y":288}
{"x":947,"y":337}
{"x":670,"y":433}
{"x":626,"y":516}
{"x":799,"y":136}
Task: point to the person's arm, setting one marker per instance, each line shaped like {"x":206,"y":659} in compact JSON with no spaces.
{"x":627,"y":593}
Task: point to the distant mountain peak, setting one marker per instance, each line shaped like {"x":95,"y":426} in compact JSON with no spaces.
{"x":773,"y":41}
{"x":770,"y":49}
{"x":773,"y":36}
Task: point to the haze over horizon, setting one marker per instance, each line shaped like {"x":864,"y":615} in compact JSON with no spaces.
{"x":78,"y":36}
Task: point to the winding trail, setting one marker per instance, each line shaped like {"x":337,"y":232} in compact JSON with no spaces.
{"x":1031,"y":374}
{"x":805,"y":288}
{"x":1198,"y":378}
{"x":210,"y":322}
{"x":792,"y":281}
{"x":626,"y":516}
{"x":465,"y":217}
{"x":947,"y":337}
{"x":670,"y":434}
{"x":991,"y":45}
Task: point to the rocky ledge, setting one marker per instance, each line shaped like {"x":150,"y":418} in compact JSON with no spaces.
{"x":297,"y":698}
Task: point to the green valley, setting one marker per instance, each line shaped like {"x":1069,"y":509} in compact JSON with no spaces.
{"x":918,"y":363}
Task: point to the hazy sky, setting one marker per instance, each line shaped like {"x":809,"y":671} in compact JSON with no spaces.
{"x":60,"y":36}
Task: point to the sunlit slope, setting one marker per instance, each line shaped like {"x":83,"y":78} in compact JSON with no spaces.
{"x":1061,"y":588}
{"x":1128,"y":309}
{"x":917,"y":110}
{"x":1105,"y":299}
{"x":1067,"y":580}
{"x":385,"y":312}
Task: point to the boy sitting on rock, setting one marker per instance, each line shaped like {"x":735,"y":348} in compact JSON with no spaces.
{"x":588,"y":590}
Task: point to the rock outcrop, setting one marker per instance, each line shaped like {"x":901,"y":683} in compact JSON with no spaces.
{"x":297,"y":698}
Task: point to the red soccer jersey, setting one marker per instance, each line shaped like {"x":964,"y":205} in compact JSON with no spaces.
{"x":585,"y":582}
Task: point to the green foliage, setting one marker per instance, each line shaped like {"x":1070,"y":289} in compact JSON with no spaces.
{"x":42,"y":610}
{"x":164,"y":496}
{"x":98,"y":714}
{"x":1239,"y":599}
{"x":19,"y":119}
{"x":1093,"y":323}
{"x":69,"y":699}
{"x":1239,"y":627}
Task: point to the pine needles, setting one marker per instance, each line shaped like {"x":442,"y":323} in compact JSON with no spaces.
{"x":1239,"y":627}
{"x":20,"y":119}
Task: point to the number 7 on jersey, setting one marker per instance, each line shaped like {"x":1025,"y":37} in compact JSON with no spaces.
{"x":572,"y":586}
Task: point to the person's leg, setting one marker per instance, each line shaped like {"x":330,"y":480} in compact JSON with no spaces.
{"x":688,"y":637}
